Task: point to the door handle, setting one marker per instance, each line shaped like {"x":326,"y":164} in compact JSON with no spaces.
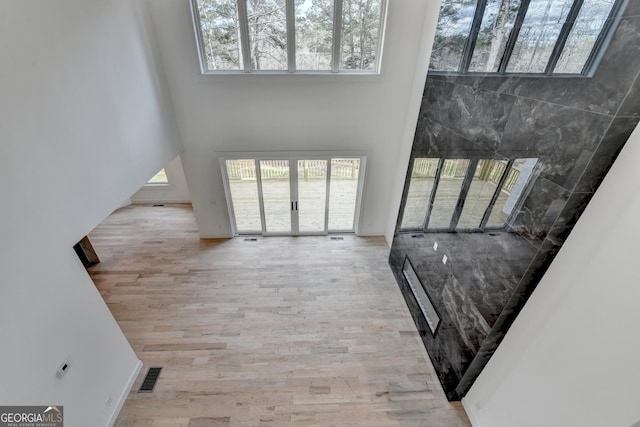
{"x":291,"y":205}
{"x":296,"y":205}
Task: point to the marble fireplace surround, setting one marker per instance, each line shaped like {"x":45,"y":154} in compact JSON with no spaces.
{"x":576,"y":127}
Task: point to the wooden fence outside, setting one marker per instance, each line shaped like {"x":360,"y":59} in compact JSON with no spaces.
{"x":245,"y":169}
{"x":457,"y":168}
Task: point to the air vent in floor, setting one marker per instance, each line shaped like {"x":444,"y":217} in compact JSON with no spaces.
{"x":150,"y":380}
{"x":337,"y":238}
{"x":251,"y":239}
{"x":417,"y":236}
{"x":158,"y":205}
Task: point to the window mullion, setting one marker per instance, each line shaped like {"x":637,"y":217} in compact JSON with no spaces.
{"x":291,"y":36}
{"x":432,"y":196}
{"x":405,"y":194}
{"x":466,"y":184}
{"x":511,"y":42}
{"x":337,"y":36}
{"x":597,"y":51}
{"x":244,"y":34}
{"x":496,"y":194}
{"x":473,"y":36}
{"x":564,"y":34}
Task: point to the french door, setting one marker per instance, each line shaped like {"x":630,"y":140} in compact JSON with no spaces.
{"x":465,"y":194}
{"x":285,"y":196}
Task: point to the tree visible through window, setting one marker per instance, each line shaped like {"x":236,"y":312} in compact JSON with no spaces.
{"x":521,"y":36}
{"x":253,"y":35}
{"x":159,"y":178}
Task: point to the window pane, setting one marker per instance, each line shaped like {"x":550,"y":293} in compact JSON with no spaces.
{"x":312,"y":195}
{"x":591,"y":18}
{"x":314,"y":35}
{"x":276,"y":195}
{"x":483,"y":186}
{"x":511,"y":192}
{"x":420,"y":186}
{"x":452,"y":31}
{"x":360,"y":32}
{"x":538,"y":35}
{"x":448,"y":192}
{"x":344,"y":192}
{"x":220,"y":34}
{"x":497,"y":22}
{"x":159,"y":178}
{"x":243,"y":187}
{"x":267,"y":34}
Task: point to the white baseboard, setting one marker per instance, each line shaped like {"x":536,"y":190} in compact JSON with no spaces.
{"x":370,"y":234}
{"x":158,"y":201}
{"x":124,"y":394}
{"x":470,"y":413}
{"x":215,"y":236}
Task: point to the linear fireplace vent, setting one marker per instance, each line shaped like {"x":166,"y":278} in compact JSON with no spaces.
{"x":419,"y":292}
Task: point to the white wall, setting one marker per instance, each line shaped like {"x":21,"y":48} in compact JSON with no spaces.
{"x":415,"y":101}
{"x":292,"y":112}
{"x":83,"y":124}
{"x":570,"y":358}
{"x":176,"y":192}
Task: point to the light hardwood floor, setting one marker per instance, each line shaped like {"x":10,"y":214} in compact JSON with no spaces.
{"x":282,"y":331}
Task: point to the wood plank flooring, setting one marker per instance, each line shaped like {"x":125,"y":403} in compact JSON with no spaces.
{"x":281,"y":331}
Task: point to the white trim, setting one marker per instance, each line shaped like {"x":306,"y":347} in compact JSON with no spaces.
{"x":227,"y":195}
{"x":327,"y":196}
{"x":371,"y":234}
{"x":470,"y":414}
{"x":124,"y":394}
{"x":220,"y":236}
{"x":381,"y":34}
{"x":290,"y":14}
{"x":245,"y":45}
{"x":263,"y":221}
{"x":292,"y":157}
{"x":161,"y":201}
{"x":359,"y":196}
{"x":359,"y":73}
{"x":197,"y":28}
{"x":336,"y":46}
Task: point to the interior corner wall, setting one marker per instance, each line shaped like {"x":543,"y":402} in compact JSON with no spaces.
{"x":406,"y":142}
{"x":570,"y":357}
{"x":84,"y":121}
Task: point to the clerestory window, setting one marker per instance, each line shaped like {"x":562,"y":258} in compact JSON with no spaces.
{"x":330,"y":36}
{"x":542,"y":37}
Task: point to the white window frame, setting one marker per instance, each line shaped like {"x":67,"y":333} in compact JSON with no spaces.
{"x":160,"y":185}
{"x":336,"y":55}
{"x":291,"y":157}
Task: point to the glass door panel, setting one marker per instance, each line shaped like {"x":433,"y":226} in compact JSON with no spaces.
{"x":343,"y":193}
{"x":243,"y":186}
{"x":422,"y":177}
{"x":483,"y":186}
{"x":511,"y":192}
{"x":447,"y":193}
{"x":276,"y":195}
{"x":312,"y":196}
